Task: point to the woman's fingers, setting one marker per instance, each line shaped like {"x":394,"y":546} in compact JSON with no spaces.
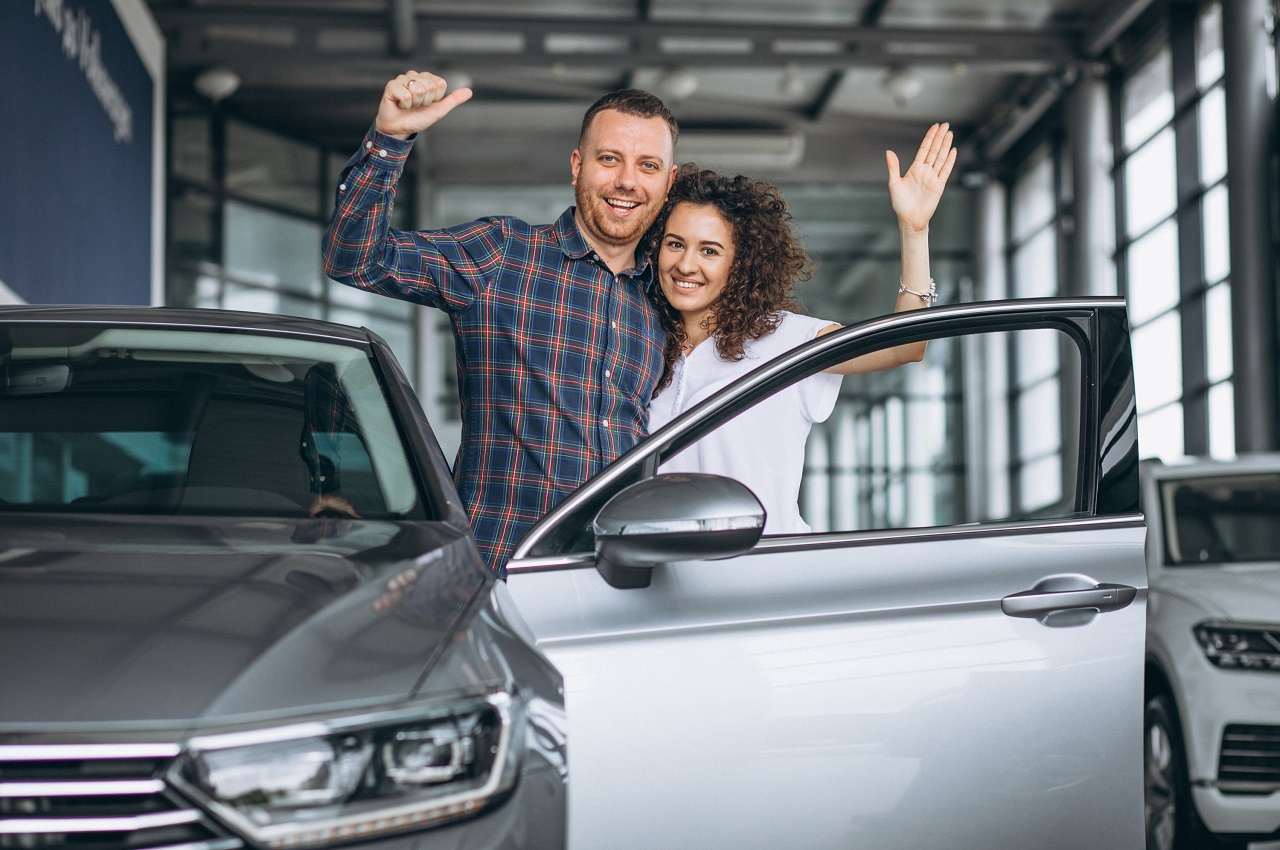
{"x":891,"y":161}
{"x":947,"y":139}
{"x":939,"y":134}
{"x":925,"y":144}
{"x":948,"y":165}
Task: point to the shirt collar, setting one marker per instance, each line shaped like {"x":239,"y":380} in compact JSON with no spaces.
{"x":575,"y":246}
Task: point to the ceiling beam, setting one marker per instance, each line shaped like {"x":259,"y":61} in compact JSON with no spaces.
{"x":818,"y":109}
{"x":404,"y":27}
{"x":1112,"y":20}
{"x":208,"y":34}
{"x":873,"y":12}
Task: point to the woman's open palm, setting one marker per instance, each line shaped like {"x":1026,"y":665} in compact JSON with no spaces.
{"x":915,"y":195}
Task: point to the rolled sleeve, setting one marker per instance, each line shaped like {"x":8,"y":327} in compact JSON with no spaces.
{"x":447,"y":268}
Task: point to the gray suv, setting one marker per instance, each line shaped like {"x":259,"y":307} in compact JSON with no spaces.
{"x":239,"y":602}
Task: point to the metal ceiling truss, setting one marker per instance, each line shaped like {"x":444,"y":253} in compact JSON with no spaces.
{"x":249,"y":36}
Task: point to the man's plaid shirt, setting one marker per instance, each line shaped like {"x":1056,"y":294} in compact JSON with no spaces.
{"x":557,"y":357}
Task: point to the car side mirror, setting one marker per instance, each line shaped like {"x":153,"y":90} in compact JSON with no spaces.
{"x":673,"y":517}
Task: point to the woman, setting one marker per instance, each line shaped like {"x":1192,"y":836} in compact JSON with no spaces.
{"x":727,"y":260}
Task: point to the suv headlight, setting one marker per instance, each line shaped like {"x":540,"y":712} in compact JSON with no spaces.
{"x":358,"y":777}
{"x":1238,"y":647}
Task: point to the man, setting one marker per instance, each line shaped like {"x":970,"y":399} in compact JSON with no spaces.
{"x":558,"y":347}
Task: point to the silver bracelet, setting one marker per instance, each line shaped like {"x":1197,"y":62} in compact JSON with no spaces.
{"x":929,"y":297}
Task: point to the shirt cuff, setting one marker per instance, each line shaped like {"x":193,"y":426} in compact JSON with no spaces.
{"x":383,"y":151}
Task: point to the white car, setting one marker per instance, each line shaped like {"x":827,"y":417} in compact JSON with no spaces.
{"x":1213,"y":653}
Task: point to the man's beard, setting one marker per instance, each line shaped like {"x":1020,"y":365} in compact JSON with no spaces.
{"x":607,"y":230}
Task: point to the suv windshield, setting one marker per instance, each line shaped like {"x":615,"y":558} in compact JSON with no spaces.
{"x":1226,"y":519}
{"x":163,"y":421}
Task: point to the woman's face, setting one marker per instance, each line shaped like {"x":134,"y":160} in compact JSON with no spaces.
{"x":695,"y":257}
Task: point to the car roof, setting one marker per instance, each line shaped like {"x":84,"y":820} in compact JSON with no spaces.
{"x":186,"y":318}
{"x":1195,"y":467}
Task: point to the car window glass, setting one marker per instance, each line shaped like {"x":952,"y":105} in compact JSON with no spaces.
{"x":1221,"y":519}
{"x":984,"y":429}
{"x":161,"y":421}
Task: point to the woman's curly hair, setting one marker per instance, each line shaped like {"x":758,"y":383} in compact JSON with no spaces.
{"x":768,"y":261}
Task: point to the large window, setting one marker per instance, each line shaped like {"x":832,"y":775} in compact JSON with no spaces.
{"x":1035,"y":359}
{"x":247,"y":212}
{"x":1173,"y":260}
{"x":883,"y":458}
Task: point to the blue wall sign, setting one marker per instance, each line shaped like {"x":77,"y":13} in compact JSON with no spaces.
{"x":75,"y":155}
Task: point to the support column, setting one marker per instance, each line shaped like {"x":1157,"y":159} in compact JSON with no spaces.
{"x":986,"y":386}
{"x":1091,"y":269}
{"x":1253,"y":294}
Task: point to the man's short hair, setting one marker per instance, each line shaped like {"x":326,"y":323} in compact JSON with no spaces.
{"x":635,"y":102}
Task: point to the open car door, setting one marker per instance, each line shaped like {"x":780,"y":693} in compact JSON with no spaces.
{"x":953,"y":656}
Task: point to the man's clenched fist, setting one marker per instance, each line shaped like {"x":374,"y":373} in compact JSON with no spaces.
{"x":414,"y":101}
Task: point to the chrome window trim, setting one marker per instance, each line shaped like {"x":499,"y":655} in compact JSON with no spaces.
{"x":637,"y":457}
{"x":857,"y":539}
{"x":190,"y":326}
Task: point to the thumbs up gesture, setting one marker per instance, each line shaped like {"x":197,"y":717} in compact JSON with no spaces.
{"x":414,"y":101}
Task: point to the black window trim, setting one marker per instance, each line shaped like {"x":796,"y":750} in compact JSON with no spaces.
{"x":1079,"y":317}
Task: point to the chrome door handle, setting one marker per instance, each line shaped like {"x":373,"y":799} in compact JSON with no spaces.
{"x":1067,"y":593}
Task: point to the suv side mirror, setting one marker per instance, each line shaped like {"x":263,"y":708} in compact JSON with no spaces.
{"x":673,"y":517}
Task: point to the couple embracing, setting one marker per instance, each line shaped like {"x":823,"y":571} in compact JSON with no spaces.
{"x":661,"y":285}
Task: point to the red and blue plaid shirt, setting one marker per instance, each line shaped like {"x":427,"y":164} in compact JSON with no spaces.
{"x":557,"y":357}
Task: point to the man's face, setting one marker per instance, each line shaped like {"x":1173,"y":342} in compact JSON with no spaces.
{"x":621,"y":170}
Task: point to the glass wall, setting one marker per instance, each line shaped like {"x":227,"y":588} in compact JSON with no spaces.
{"x":247,"y":212}
{"x":1173,"y":261}
{"x":1035,"y":360}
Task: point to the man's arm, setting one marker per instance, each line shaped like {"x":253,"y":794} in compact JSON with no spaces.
{"x":443,"y":268}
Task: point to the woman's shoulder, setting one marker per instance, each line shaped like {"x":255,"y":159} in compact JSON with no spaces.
{"x":799,"y":328}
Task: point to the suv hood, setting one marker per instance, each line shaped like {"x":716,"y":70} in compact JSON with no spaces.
{"x":1246,"y":593}
{"x":197,"y":621}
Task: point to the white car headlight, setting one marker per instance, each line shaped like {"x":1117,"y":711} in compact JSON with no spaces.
{"x":358,"y":777}
{"x":1239,"y":647}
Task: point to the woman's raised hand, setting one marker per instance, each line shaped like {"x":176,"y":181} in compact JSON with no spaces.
{"x":915,"y":195}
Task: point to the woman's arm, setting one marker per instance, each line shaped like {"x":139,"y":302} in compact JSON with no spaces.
{"x":914,"y":197}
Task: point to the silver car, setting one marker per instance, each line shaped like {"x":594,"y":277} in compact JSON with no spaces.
{"x":958,"y":669}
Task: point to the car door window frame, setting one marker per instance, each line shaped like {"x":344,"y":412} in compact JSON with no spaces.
{"x":1106,"y":462}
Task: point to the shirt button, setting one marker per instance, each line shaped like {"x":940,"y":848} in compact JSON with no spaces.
{"x":614,"y":325}
{"x":604,"y":422}
{"x":607,"y":373}
{"x":368,"y":145}
{"x":382,"y":152}
{"x":342,"y":187}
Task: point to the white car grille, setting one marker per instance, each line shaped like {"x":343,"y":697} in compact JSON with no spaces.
{"x":1250,"y":760}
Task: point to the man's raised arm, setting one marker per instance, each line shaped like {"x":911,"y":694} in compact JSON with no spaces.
{"x":442,"y":268}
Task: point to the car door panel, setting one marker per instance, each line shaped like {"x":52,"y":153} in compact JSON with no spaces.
{"x":863,"y":689}
{"x":878,"y":690}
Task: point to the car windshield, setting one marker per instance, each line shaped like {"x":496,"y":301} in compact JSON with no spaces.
{"x":1221,"y":520}
{"x":162,"y":421}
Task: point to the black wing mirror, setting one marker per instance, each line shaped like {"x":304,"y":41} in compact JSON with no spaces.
{"x":674,"y":517}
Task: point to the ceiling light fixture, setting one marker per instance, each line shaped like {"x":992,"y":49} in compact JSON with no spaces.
{"x":678,"y":83}
{"x":218,"y":83}
{"x":902,"y":84}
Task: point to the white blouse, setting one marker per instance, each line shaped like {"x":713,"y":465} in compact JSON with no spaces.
{"x":763,"y":447}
